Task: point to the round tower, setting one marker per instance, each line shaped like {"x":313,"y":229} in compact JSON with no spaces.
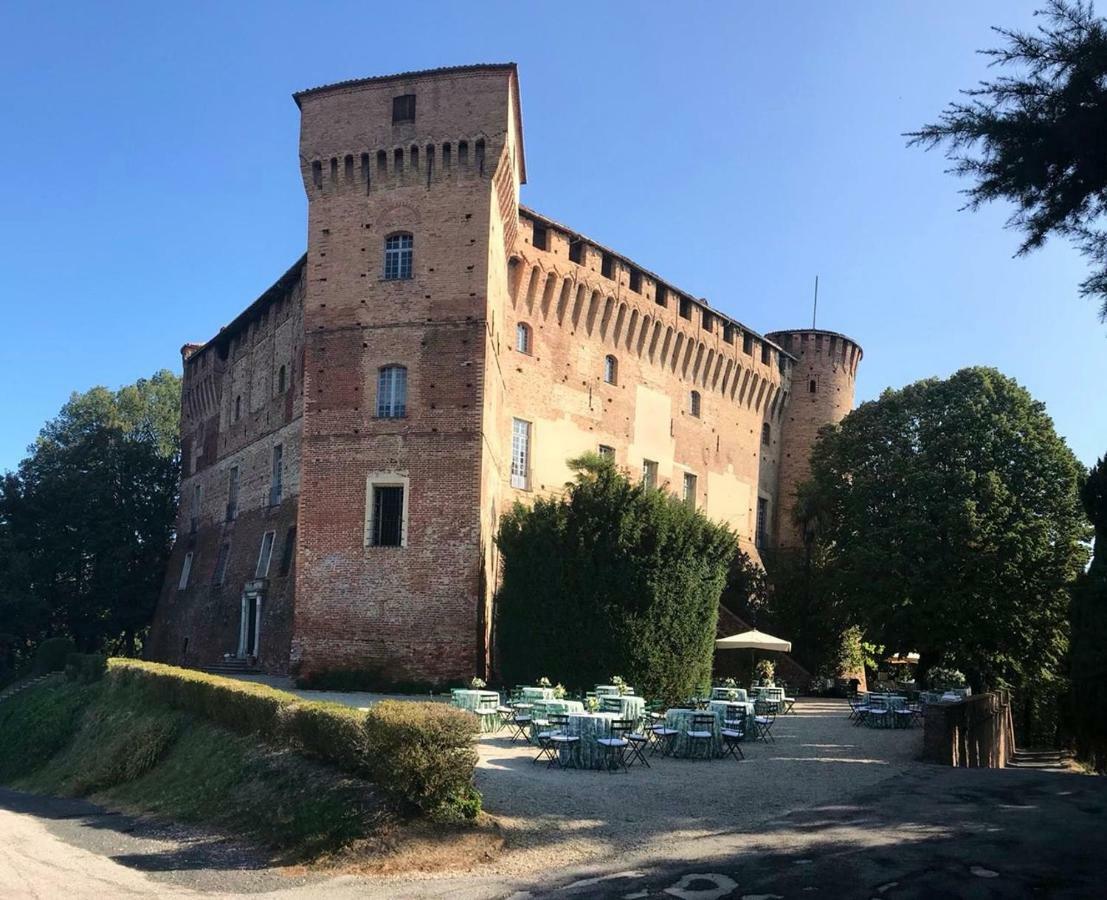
{"x":821,"y":394}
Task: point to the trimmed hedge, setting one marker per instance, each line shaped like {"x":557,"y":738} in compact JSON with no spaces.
{"x":420,"y":754}
{"x":85,"y":668}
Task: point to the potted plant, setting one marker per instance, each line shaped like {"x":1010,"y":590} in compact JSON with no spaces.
{"x":543,"y":682}
{"x":618,"y":682}
{"x":476,"y":684}
{"x":559,"y":691}
{"x":765,"y":672}
{"x":593,"y":703}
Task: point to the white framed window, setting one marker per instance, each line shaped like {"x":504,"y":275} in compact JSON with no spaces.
{"x":761,"y":535}
{"x":649,"y":473}
{"x":520,"y":454}
{"x":392,"y":392}
{"x":276,"y":481}
{"x":690,"y":481}
{"x":522,"y":338}
{"x":221,"y":563}
{"x":265,"y":555}
{"x":386,"y":509}
{"x":398,"y":252}
{"x":186,"y":570}
{"x":611,"y":370}
{"x":694,"y":403}
{"x":607,"y":452}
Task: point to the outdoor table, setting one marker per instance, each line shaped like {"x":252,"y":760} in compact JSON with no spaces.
{"x":681,"y":721}
{"x":630,"y":707}
{"x":530,"y":694}
{"x":719,"y":707}
{"x":554,"y":706}
{"x":483,"y":704}
{"x":773,"y":694}
{"x":608,"y":690}
{"x":724,"y":693}
{"x":588,"y":727}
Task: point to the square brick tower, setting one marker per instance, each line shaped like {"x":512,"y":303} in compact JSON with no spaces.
{"x":412,"y":184}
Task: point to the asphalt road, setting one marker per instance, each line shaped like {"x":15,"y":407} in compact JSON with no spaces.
{"x":931,"y":833}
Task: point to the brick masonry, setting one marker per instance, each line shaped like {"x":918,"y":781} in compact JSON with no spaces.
{"x":482,"y":266}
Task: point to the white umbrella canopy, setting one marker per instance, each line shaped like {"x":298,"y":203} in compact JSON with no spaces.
{"x":753,"y":640}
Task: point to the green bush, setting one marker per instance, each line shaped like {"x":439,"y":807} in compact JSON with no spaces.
{"x":611,"y":577}
{"x":85,"y":668}
{"x":52,"y":653}
{"x":423,"y":754}
{"x":369,"y":680}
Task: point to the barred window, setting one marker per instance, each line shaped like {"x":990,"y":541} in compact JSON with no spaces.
{"x":388,"y":515}
{"x":398,"y":250}
{"x":690,"y":489}
{"x":403,"y":109}
{"x":766,"y":434}
{"x":520,"y":454}
{"x":762,"y":534}
{"x":522,"y":338}
{"x":694,"y":403}
{"x":611,"y":370}
{"x":392,"y":392}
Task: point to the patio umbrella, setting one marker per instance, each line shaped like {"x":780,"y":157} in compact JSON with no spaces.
{"x":753,"y":640}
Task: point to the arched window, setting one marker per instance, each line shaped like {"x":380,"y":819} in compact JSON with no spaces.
{"x":392,"y":392}
{"x":398,"y":249}
{"x":280,"y":380}
{"x":611,"y":370}
{"x":766,"y":434}
{"x":694,"y":403}
{"x":238,"y":407}
{"x":522,"y":337}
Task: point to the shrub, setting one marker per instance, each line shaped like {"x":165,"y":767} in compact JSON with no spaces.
{"x":944,"y":679}
{"x":327,"y":732}
{"x":423,"y":754}
{"x":369,"y":680}
{"x":85,"y":668}
{"x":52,"y":653}
{"x":765,"y":671}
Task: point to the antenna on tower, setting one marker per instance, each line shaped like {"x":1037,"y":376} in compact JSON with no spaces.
{"x":815,"y":308}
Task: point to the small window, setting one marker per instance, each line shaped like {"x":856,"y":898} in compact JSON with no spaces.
{"x":276,"y":482}
{"x":281,"y":379}
{"x":766,"y":435}
{"x":576,"y":251}
{"x":398,"y":251}
{"x":690,"y":489}
{"x":194,"y":518}
{"x":522,"y":337}
{"x":611,"y":370}
{"x":728,"y":333}
{"x":388,"y":516}
{"x":186,"y":570}
{"x":660,"y":295}
{"x":766,"y":353}
{"x":403,"y":109}
{"x":520,"y":454}
{"x":649,"y":473}
{"x":708,"y":320}
{"x":221,"y":564}
{"x":635,"y":282}
{"x":392,"y":392}
{"x":694,"y":403}
{"x":607,"y":452}
{"x":685,"y":308}
{"x":238,"y":407}
{"x":607,"y":266}
{"x":541,"y":237}
{"x":289,"y":551}
{"x":762,"y":533}
{"x":813,"y":385}
{"x":265,"y":555}
{"x":232,"y":494}
{"x":747,"y":344}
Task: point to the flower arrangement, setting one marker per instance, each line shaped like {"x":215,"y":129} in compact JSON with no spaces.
{"x":559,"y":691}
{"x":765,"y":671}
{"x":476,"y":683}
{"x":543,"y":681}
{"x":617,"y":681}
{"x":730,"y":683}
{"x":593,"y":703}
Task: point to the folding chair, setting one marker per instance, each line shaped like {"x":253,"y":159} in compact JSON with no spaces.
{"x":520,"y":722}
{"x":765,"y":712}
{"x":702,"y":733}
{"x":663,"y":738}
{"x":734,"y":732}
{"x":615,"y":747}
{"x":544,"y":738}
{"x":638,"y":740}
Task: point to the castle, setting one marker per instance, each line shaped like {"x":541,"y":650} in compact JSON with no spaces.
{"x":349,"y":441}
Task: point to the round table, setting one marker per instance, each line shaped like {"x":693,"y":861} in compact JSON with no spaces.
{"x":681,"y":721}
{"x":483,"y":704}
{"x":588,"y":727}
{"x":720,"y":708}
{"x":630,"y":707}
{"x":530,"y":694}
{"x":725,"y":693}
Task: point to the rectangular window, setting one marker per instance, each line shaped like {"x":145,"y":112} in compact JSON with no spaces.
{"x":520,"y":454}
{"x":289,"y":551}
{"x":399,"y":250}
{"x":232,"y":494}
{"x":813,"y":386}
{"x":708,"y":320}
{"x":388,"y":516}
{"x":186,"y":570}
{"x":747,"y":344}
{"x":636,"y":281}
{"x":540,"y":241}
{"x":403,"y":109}
{"x":221,"y":564}
{"x":576,"y":251}
{"x":607,"y":452}
{"x":265,"y":555}
{"x":728,"y":334}
{"x":194,"y":521}
{"x":762,"y":532}
{"x":690,"y":489}
{"x":685,"y":308}
{"x":276,"y":482}
{"x":660,"y":295}
{"x":766,"y":353}
{"x":607,"y":266}
{"x":649,"y":473}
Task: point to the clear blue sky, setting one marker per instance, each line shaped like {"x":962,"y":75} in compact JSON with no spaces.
{"x":151,"y":188}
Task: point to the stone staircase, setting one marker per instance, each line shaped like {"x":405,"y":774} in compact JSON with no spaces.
{"x":1041,"y":760}
{"x":233,"y":665}
{"x":19,"y":686}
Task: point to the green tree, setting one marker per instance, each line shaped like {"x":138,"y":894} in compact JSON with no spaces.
{"x":611,"y":578}
{"x":953,"y":526}
{"x":1037,"y":138}
{"x":86,"y":522}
